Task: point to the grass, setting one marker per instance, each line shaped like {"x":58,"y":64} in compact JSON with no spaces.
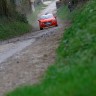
{"x":74,"y":72}
{"x":61,"y":13}
{"x":13,"y":28}
{"x":10,"y":29}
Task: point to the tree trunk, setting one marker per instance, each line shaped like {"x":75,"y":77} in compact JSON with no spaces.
{"x":32,"y":6}
{"x":42,"y":1}
{"x":3,"y":8}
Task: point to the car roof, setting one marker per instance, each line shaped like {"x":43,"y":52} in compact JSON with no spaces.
{"x":49,"y":14}
{"x":46,"y":15}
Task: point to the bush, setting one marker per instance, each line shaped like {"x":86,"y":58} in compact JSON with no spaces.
{"x":21,"y":17}
{"x":13,"y":28}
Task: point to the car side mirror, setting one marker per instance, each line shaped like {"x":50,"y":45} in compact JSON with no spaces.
{"x":55,"y":16}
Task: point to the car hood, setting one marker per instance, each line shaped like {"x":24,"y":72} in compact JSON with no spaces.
{"x":46,"y":20}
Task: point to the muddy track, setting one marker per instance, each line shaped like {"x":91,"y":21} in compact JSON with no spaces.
{"x":12,"y":46}
{"x":28,"y":65}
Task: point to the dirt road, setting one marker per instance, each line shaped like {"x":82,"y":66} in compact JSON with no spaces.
{"x":7,"y":50}
{"x":25,"y":59}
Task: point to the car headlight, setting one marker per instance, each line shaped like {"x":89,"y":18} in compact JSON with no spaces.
{"x":42,"y":23}
{"x":54,"y":20}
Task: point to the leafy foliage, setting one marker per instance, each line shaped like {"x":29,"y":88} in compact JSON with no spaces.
{"x":10,"y":29}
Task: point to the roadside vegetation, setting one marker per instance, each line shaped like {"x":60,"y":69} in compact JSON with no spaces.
{"x":18,"y":24}
{"x":12,"y":22}
{"x":12,"y":28}
{"x":74,"y":72}
{"x":33,"y":17}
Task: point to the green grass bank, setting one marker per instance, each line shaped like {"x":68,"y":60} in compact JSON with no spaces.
{"x":12,"y":28}
{"x":74,"y":72}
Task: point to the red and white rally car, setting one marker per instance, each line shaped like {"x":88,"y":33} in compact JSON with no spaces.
{"x":47,"y":20}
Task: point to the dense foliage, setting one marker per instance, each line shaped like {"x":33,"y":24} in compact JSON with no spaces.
{"x":12,"y":22}
{"x":6,"y":8}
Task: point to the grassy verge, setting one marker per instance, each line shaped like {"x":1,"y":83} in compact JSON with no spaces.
{"x":74,"y":72}
{"x":11,"y":29}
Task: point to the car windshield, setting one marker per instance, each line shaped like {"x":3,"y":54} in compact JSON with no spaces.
{"x":46,"y":16}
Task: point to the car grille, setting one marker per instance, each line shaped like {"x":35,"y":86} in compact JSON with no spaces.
{"x":47,"y":23}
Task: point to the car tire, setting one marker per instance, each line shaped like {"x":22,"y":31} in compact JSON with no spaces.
{"x":57,"y":25}
{"x":41,"y":28}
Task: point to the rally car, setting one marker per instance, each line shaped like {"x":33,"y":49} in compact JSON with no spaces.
{"x":47,"y":20}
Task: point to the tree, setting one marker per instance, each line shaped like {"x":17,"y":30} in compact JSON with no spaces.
{"x":3,"y":8}
{"x":7,"y":7}
{"x":32,"y":5}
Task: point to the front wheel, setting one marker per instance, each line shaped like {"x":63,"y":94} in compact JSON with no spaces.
{"x":56,"y":25}
{"x":41,"y":28}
